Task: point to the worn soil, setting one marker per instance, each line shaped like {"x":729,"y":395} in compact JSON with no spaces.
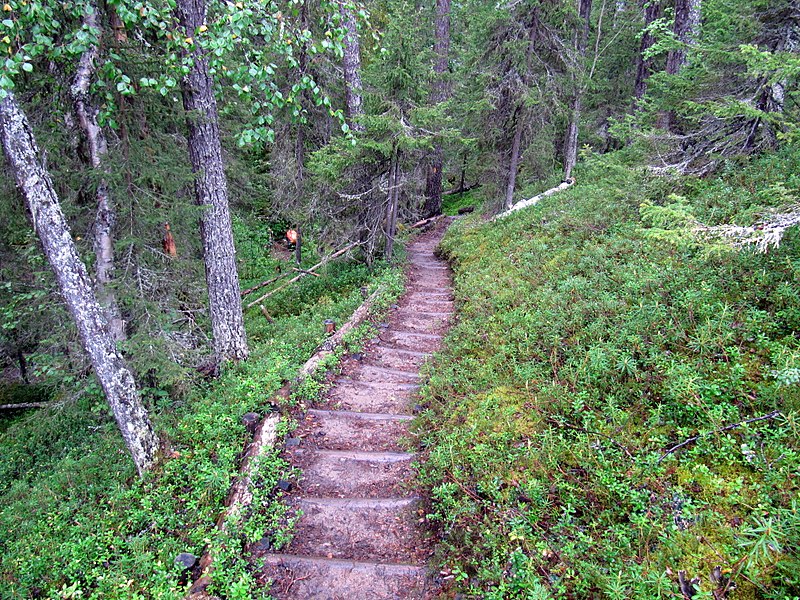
{"x":362,"y":532}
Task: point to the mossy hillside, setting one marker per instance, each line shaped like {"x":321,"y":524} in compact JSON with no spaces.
{"x":586,"y":349}
{"x":75,"y":522}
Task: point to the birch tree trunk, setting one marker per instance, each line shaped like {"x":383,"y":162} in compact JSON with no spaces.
{"x":571,"y":137}
{"x":75,"y":285}
{"x":644,"y":66}
{"x":352,"y":69}
{"x":439,"y":93}
{"x":211,"y":193}
{"x":97,"y":148}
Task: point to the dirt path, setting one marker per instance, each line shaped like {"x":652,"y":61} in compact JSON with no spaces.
{"x":361,"y":535}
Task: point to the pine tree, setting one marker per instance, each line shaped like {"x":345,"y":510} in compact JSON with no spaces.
{"x":211,"y":193}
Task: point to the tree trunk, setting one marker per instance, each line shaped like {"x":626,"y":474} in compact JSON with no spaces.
{"x":211,"y":192}
{"x":352,"y":70}
{"x":393,"y":201}
{"x":439,"y":93}
{"x":571,"y":137}
{"x":300,"y":138}
{"x":97,"y":148}
{"x":298,"y":247}
{"x":50,"y":225}
{"x":686,"y":28}
{"x":644,"y":66}
{"x":513,"y":165}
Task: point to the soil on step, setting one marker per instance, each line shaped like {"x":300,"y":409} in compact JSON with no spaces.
{"x":361,"y":530}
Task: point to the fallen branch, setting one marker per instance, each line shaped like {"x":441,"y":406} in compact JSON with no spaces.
{"x":262,"y":284}
{"x":532,"y":201}
{"x":302,"y":274}
{"x":22,"y":405}
{"x":425,"y":222}
{"x":306,"y":272}
{"x":774,"y":414}
{"x":762,"y":235}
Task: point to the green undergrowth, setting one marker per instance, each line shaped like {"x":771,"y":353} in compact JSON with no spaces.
{"x":75,"y":521}
{"x":452,"y":203}
{"x":589,"y":347}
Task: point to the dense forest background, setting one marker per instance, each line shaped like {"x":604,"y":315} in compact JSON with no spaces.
{"x":147,"y":140}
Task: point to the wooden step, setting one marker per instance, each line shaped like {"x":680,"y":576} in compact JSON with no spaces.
{"x":317,"y":578}
{"x":336,"y":473}
{"x":412,"y":340}
{"x":344,"y":430}
{"x":368,"y":372}
{"x":381,"y":529}
{"x":397,"y":358}
{"x":366,"y":396}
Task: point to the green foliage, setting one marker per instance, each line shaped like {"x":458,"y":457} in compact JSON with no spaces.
{"x":76,"y":520}
{"x":588,"y":349}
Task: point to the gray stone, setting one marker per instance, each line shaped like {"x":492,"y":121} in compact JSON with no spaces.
{"x":186,"y":560}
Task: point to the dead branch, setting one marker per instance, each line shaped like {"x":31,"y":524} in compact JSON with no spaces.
{"x":306,"y":272}
{"x":762,"y":235}
{"x":773,"y":415}
{"x":262,"y":284}
{"x":266,"y":314}
{"x":303,"y":274}
{"x":425,"y":222}
{"x":22,"y":405}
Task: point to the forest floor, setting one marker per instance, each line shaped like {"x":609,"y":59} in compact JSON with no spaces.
{"x":361,"y":532}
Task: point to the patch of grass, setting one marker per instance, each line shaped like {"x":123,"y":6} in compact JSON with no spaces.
{"x":585,"y":351}
{"x":452,"y":203}
{"x":75,"y":521}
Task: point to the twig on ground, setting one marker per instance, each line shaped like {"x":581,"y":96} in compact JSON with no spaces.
{"x":774,"y":414}
{"x":262,"y":284}
{"x":303,"y":274}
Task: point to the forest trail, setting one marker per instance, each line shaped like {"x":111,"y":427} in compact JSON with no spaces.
{"x":362,"y":531}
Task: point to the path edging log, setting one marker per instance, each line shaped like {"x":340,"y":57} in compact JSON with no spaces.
{"x":265,"y":437}
{"x":532,"y":201}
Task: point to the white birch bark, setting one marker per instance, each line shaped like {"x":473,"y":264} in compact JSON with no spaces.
{"x":74,"y":283}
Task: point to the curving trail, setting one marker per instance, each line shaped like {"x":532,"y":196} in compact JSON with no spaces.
{"x":362,"y":535}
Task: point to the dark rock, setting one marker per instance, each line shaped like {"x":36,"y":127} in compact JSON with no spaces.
{"x":186,"y":560}
{"x":284,"y":485}
{"x":464,"y":210}
{"x":250,"y":421}
{"x":262,"y":545}
{"x":358,"y":356}
{"x":290,"y":442}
